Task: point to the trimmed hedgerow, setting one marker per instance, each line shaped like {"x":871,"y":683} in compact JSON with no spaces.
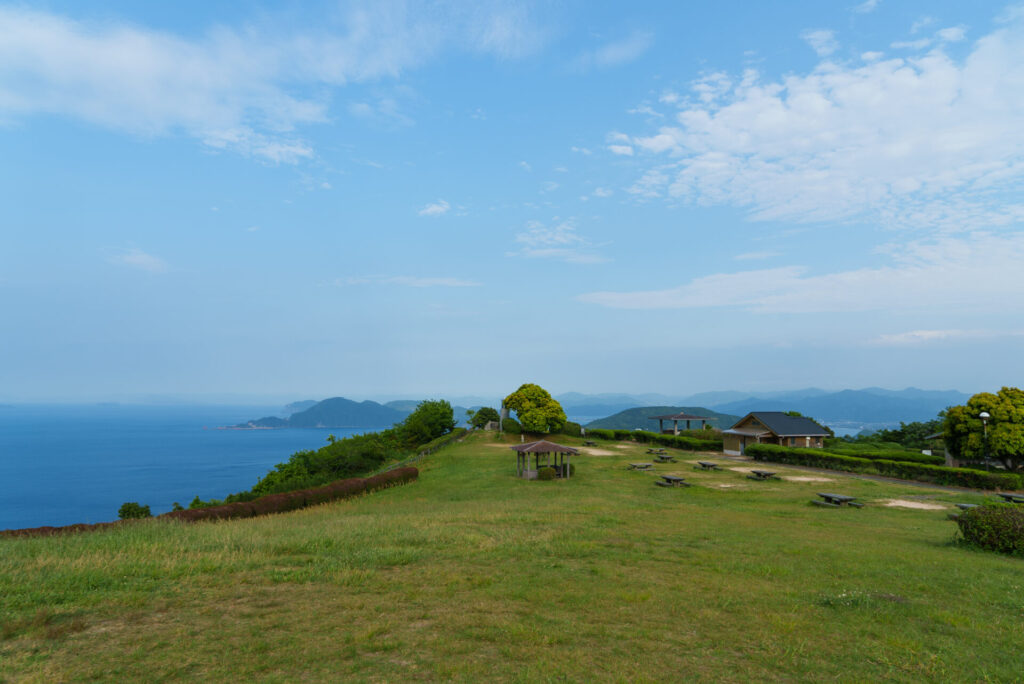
{"x":890,"y":455}
{"x":994,"y":526}
{"x":571,"y":429}
{"x":600,"y":433}
{"x":818,"y":458}
{"x":709,"y":442}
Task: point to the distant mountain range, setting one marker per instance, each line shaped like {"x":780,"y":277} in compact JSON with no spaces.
{"x":339,"y":412}
{"x":640,"y":418}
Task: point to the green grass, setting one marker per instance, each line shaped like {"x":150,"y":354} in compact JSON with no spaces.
{"x":470,"y":574}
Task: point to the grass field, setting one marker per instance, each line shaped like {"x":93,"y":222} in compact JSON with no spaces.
{"x":472,"y":574}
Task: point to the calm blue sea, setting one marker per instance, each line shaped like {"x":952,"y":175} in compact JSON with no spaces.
{"x":61,"y":465}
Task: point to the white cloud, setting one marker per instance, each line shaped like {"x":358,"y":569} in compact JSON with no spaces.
{"x":978,"y":274}
{"x":238,"y":89}
{"x":866,"y":6}
{"x":580,"y":150}
{"x":549,"y":186}
{"x":602,"y":192}
{"x":623,"y":150}
{"x":136,"y":258}
{"x":645,"y":110}
{"x":915,"y":338}
{"x":918,"y":44}
{"x":438,"y":208}
{"x":920,"y":142}
{"x":616,"y":52}
{"x":821,"y":41}
{"x":408,"y":281}
{"x":560,"y":241}
{"x":525,"y":166}
{"x":953,"y":34}
{"x":753,"y":256}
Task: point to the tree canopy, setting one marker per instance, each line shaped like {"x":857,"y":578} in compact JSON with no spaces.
{"x":430,"y":420}
{"x":536,"y":408}
{"x":483,"y":415}
{"x":965,"y":434}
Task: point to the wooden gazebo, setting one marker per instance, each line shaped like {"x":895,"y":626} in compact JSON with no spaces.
{"x":542,"y":448}
{"x":676,"y":418}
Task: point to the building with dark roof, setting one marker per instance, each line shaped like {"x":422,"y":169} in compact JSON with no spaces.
{"x":772,"y":427}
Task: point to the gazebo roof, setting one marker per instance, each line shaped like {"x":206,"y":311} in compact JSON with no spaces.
{"x":543,"y":447}
{"x":679,"y":416}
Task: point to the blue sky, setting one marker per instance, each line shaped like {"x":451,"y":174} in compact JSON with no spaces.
{"x":287,"y":200}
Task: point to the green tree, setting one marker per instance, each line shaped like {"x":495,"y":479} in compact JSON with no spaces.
{"x":536,"y":409}
{"x":131,"y":510}
{"x":484,"y":415}
{"x":430,"y":420}
{"x":965,"y":434}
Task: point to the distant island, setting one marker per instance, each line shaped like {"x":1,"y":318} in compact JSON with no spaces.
{"x":338,"y":412}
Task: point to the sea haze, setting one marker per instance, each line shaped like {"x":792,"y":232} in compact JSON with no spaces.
{"x":61,"y":465}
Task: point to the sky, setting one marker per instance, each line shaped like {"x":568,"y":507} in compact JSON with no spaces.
{"x":224,"y":200}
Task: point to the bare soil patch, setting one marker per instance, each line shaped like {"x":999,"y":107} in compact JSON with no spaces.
{"x":597,"y":452}
{"x":806,"y":478}
{"x":920,"y":505}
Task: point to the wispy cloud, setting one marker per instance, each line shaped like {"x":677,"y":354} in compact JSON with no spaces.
{"x":616,"y":52}
{"x":559,"y":241}
{"x":866,"y":6}
{"x":438,"y":208}
{"x":821,"y":41}
{"x":755,"y":256}
{"x":137,"y":259}
{"x":915,"y":338}
{"x":980,"y":273}
{"x":235,"y":89}
{"x":943,"y":153}
{"x":408,"y":281}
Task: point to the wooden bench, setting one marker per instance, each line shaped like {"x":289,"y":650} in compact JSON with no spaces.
{"x":760,"y":475}
{"x":671,"y":481}
{"x":640,"y":466}
{"x":589,"y":443}
{"x":707,"y":465}
{"x":837,"y":500}
{"x":665,"y":458}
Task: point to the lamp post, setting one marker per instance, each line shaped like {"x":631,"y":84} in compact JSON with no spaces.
{"x":984,"y":427}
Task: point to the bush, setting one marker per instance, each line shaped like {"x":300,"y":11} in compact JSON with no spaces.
{"x":818,"y":458}
{"x":511,"y":426}
{"x":571,"y":429}
{"x":890,"y":455}
{"x":546,"y":473}
{"x":130,"y":510}
{"x":600,"y":433}
{"x":995,"y":527}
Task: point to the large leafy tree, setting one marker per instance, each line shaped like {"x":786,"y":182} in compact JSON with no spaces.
{"x":537,"y":409}
{"x":484,"y":415}
{"x":430,"y":420}
{"x":965,"y":434}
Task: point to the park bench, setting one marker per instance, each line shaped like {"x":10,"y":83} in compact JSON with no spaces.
{"x":640,"y":466}
{"x":760,"y":475}
{"x":671,"y":481}
{"x":707,"y":465}
{"x":837,"y":500}
{"x":665,"y":458}
{"x":1012,"y":498}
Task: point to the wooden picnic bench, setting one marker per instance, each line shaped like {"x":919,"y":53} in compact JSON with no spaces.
{"x":760,"y":475}
{"x":837,"y":500}
{"x":671,"y":481}
{"x":589,"y":443}
{"x":665,"y":458}
{"x":656,"y":451}
{"x":966,"y":507}
{"x":707,"y":465}
{"x":640,"y":466}
{"x":1012,"y":498}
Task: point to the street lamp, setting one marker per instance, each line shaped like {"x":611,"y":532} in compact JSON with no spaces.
{"x":984,"y":426}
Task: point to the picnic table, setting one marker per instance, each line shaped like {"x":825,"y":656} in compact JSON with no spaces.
{"x":837,"y":500}
{"x":656,"y":451}
{"x":665,"y":458}
{"x":708,"y":465}
{"x":589,"y":443}
{"x":640,"y":466}
{"x":965,"y":507}
{"x":672,"y":481}
{"x":1012,"y":498}
{"x":761,"y":475}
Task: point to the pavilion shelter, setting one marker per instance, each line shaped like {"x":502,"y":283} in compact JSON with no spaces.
{"x":556,"y":456}
{"x":676,"y":418}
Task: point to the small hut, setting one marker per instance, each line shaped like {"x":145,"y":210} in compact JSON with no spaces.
{"x":676,"y":418}
{"x":555,"y":456}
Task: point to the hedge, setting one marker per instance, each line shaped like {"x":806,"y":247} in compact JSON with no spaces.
{"x":994,"y":526}
{"x":889,"y":455}
{"x":644,"y":437}
{"x":818,"y":458}
{"x":272,"y":503}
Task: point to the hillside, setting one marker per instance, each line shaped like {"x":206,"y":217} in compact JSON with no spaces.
{"x":867,"y":406}
{"x":470,"y":574}
{"x":632,"y":419}
{"x":340,"y":412}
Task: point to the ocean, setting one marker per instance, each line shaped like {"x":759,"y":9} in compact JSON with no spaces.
{"x":63,"y":464}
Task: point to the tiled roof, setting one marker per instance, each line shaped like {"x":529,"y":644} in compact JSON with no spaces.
{"x":785,"y":425}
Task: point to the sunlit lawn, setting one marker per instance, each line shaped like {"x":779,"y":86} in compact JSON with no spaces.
{"x":470,"y":574}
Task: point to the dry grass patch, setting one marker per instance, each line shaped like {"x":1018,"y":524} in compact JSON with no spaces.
{"x":920,"y":505}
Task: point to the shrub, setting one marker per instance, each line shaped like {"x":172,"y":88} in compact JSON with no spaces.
{"x":131,"y":510}
{"x":511,"y":426}
{"x":995,"y":527}
{"x":623,"y":435}
{"x":571,"y":429}
{"x":600,"y":433}
{"x":546,"y":473}
{"x":818,"y":458}
{"x":903,"y":455}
